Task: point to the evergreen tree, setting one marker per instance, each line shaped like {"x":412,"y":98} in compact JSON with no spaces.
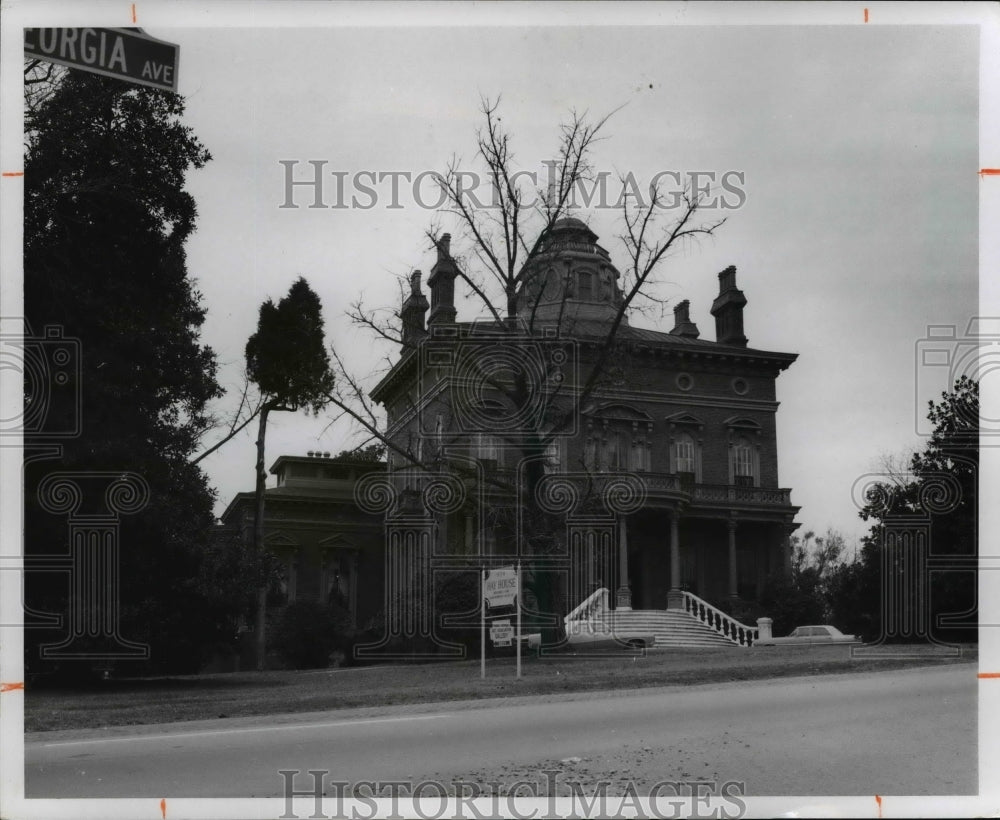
{"x":106,"y":219}
{"x":287,"y":360}
{"x":941,"y":489}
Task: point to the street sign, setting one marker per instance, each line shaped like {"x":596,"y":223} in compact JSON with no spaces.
{"x":500,"y":588}
{"x":501,"y":633}
{"x":127,"y":54}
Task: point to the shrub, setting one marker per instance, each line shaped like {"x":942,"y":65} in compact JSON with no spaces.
{"x":308,"y":632}
{"x":790,"y":605}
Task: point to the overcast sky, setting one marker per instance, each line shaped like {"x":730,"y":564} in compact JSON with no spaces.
{"x":858,"y":145}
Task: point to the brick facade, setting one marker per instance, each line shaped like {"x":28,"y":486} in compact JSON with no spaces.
{"x":688,"y":421}
{"x":692,"y":420}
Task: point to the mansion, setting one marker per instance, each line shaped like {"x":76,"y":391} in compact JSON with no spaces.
{"x":638,"y":462}
{"x":690,"y":422}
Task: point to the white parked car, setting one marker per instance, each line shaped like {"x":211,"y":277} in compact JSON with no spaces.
{"x":806,"y":635}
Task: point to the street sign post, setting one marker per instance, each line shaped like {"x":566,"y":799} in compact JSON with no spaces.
{"x":127,"y":54}
{"x":519,"y":619}
{"x":500,"y":588}
{"x":482,"y":628}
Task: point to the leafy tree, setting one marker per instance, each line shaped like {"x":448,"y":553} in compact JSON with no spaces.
{"x":804,"y":597}
{"x":854,"y":593}
{"x":373,"y":453}
{"x":940,"y":489}
{"x":288,"y":361}
{"x":106,"y":219}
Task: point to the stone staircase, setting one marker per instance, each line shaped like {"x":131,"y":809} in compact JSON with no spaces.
{"x":698,"y":625}
{"x":671,"y":628}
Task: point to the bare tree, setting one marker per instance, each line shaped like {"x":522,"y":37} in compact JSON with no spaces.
{"x":41,"y":78}
{"x":250,"y":406}
{"x":500,"y":265}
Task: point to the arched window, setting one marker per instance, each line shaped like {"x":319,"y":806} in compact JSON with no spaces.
{"x":586,"y":291}
{"x":336,"y":579}
{"x":283,"y":585}
{"x":684,"y":455}
{"x":616,"y":451}
{"x":686,"y":461}
{"x":411,"y":472}
{"x":487,"y":449}
{"x":743,"y":463}
{"x":744,"y":451}
{"x":640,"y":456}
{"x":553,"y":457}
{"x":618,"y":440}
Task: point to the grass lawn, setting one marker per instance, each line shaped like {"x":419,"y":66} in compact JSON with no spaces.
{"x":162,"y":700}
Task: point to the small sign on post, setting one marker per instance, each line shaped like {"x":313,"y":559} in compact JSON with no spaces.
{"x":500,"y":588}
{"x":127,"y":54}
{"x":501,"y":632}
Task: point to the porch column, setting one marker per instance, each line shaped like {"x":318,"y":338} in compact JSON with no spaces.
{"x":675,"y":599}
{"x":734,"y":588}
{"x":352,"y":591}
{"x":469,"y":535}
{"x":786,"y":550}
{"x":623,"y":596}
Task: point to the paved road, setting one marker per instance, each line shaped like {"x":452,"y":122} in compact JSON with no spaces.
{"x":910,"y":731}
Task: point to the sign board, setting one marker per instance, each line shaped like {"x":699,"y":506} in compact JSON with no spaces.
{"x":501,"y":633}
{"x":127,"y":54}
{"x":500,"y":587}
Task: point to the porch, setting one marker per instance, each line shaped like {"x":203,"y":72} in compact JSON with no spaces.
{"x":722,"y":556}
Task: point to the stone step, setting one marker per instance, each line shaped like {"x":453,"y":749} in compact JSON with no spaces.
{"x":669,"y":628}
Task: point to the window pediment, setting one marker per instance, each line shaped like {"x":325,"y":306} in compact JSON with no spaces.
{"x":742,"y":423}
{"x":686,"y":419}
{"x":336,"y":542}
{"x":280,"y":540}
{"x":618,"y":412}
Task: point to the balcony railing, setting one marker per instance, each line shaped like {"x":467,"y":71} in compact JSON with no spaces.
{"x":663,"y":484}
{"x":716,"y":493}
{"x":732,"y":494}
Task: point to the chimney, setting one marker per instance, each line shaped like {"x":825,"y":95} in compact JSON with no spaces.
{"x":683,"y":326}
{"x":442,"y":284}
{"x":728,"y":310}
{"x":413,"y":311}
